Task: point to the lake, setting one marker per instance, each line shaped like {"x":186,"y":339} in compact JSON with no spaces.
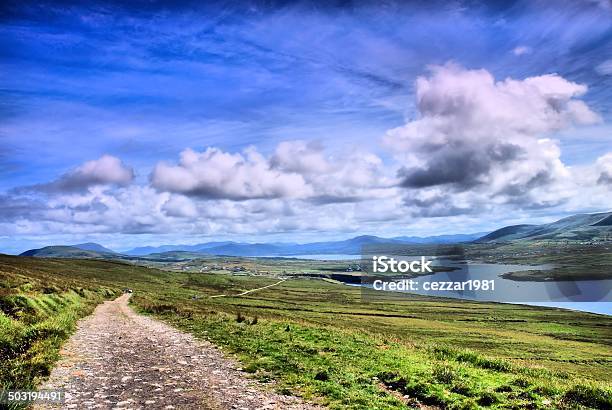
{"x":327,"y":257}
{"x":588,"y":295}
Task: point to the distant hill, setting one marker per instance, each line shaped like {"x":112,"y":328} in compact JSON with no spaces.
{"x":245,"y":249}
{"x":508,"y":233}
{"x":92,"y":246}
{"x":604,"y":222}
{"x":146,"y":250}
{"x":65,"y":252}
{"x":584,"y":227}
{"x":457,"y":238}
{"x":349,"y":246}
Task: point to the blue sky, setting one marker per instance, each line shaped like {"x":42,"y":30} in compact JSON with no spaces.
{"x":143,"y":82}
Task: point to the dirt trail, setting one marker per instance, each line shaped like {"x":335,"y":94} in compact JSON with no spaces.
{"x":246,"y":292}
{"x":118,"y":359}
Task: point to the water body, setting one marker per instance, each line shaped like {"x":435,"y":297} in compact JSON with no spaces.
{"x":588,"y":295}
{"x":327,"y":257}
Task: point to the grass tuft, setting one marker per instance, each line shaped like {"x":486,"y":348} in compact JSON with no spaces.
{"x":588,"y":395}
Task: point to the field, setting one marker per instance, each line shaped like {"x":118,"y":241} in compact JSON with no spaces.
{"x":323,"y":340}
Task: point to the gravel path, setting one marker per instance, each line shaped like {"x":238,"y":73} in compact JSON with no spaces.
{"x":246,"y":292}
{"x":118,"y":359}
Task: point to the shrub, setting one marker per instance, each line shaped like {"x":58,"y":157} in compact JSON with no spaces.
{"x":463,"y":389}
{"x":488,"y":399}
{"x":590,"y":396}
{"x":322,"y":376}
{"x":444,"y":374}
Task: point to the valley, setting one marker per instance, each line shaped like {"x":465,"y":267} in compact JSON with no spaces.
{"x":300,"y":334}
{"x":578,"y":247}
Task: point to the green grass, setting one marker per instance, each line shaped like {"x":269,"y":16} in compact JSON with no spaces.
{"x":32,"y":329}
{"x":326,"y":342}
{"x":40,"y":302}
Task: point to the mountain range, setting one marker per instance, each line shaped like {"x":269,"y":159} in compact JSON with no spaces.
{"x":583,"y":227}
{"x":349,"y":246}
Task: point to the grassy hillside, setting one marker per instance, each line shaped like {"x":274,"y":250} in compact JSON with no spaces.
{"x":323,"y":340}
{"x":326,"y":342}
{"x":65,"y":252}
{"x":40,"y":302}
{"x":580,"y":227}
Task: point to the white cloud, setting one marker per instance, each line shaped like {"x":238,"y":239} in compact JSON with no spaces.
{"x":180,"y":206}
{"x":106,"y":170}
{"x":478,"y":135}
{"x":350,"y":176}
{"x":521,"y":50}
{"x":218,"y":174}
{"x":296,"y":170}
{"x":478,"y":147}
{"x":211,"y":192}
{"x":603,"y":169}
{"x":301,"y":157}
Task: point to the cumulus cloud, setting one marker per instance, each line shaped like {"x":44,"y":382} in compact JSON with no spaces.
{"x":301,"y":157}
{"x":143,"y":210}
{"x":459,"y":164}
{"x":106,"y":170}
{"x":603,"y":167}
{"x":351,"y":176}
{"x":475,"y":133}
{"x":296,"y":170}
{"x":435,"y":204}
{"x":478,"y":147}
{"x":299,"y":186}
{"x":218,"y":174}
{"x":180,"y":206}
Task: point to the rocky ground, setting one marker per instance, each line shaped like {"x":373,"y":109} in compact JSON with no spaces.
{"x":119,"y":359}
